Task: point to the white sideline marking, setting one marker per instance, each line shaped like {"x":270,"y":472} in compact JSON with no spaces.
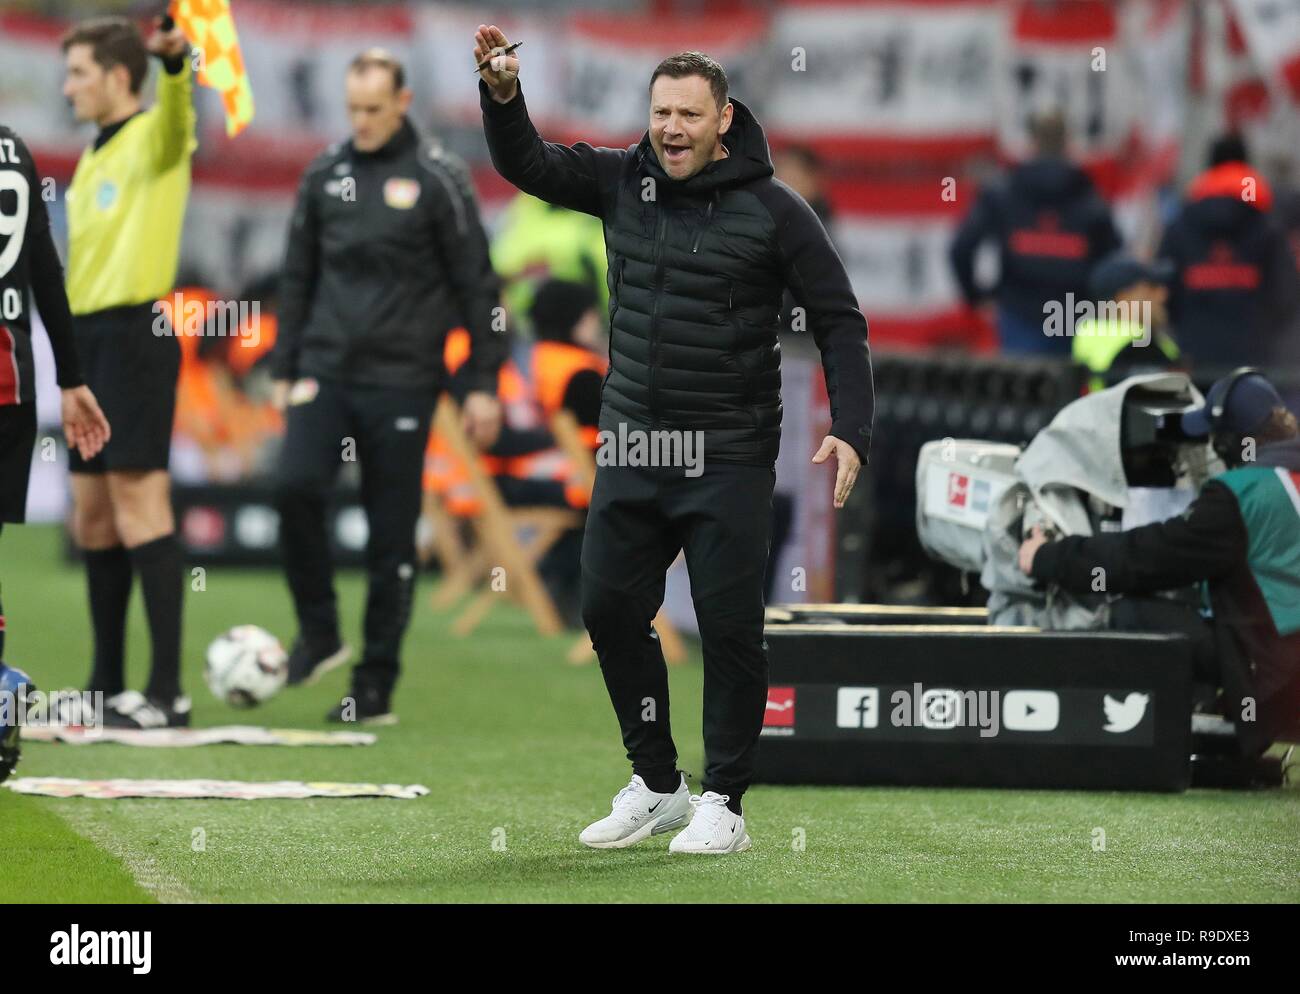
{"x":145,"y":871}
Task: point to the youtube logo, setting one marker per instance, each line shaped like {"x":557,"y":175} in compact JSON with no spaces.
{"x":1030,"y":710}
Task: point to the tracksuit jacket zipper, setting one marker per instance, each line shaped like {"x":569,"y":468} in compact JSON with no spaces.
{"x":659,"y":289}
{"x":654,"y":314}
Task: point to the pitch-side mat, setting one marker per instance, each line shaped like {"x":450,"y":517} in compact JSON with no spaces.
{"x":172,"y":737}
{"x":188,"y":789}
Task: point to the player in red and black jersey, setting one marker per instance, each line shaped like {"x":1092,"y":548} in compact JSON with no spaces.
{"x":30,"y":267}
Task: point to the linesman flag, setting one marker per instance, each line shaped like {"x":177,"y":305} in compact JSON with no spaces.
{"x":210,"y":28}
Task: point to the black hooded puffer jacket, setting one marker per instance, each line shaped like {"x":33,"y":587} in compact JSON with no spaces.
{"x":697,"y":269}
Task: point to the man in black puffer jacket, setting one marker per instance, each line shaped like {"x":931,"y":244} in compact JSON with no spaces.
{"x":702,"y":242}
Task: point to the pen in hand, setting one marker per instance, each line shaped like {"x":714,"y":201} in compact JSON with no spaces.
{"x":505,"y":51}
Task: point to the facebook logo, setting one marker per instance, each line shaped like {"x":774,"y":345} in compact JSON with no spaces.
{"x":857,"y":707}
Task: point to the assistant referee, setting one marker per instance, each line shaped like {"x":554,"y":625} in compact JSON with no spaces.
{"x":386,"y":254}
{"x":126,"y":206}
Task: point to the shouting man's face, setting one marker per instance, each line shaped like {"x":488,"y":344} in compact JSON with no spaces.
{"x":685,"y":124}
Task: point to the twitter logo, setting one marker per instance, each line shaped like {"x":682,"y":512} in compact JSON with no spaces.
{"x":1123,"y":716}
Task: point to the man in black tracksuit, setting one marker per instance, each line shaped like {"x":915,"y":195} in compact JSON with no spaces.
{"x":386,"y":253}
{"x":702,"y":241}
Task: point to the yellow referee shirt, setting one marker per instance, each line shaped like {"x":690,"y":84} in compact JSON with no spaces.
{"x":126,"y":204}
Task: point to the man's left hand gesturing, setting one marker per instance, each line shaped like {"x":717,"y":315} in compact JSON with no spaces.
{"x":847,"y":461}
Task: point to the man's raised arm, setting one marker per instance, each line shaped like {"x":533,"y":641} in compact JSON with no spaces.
{"x":572,"y":177}
{"x":172,"y":137}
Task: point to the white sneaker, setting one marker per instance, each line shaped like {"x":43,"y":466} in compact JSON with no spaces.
{"x":132,"y":710}
{"x":713,"y":828}
{"x":638,"y":813}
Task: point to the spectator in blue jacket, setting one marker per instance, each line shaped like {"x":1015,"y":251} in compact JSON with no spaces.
{"x":1050,"y":226}
{"x":1234,"y":286}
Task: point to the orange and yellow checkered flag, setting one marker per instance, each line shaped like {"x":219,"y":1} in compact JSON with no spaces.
{"x":210,"y":27}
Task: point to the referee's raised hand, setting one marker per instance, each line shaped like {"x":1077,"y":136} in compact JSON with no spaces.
{"x":166,"y":44}
{"x":502,"y":73}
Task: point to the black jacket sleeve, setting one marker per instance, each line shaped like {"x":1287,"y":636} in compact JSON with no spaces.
{"x":47,"y":280}
{"x":817,"y":279}
{"x":575,"y":176}
{"x":978,"y":225}
{"x":1206,"y":542}
{"x":297,"y":280}
{"x":463,"y":246}
{"x":52,"y":302}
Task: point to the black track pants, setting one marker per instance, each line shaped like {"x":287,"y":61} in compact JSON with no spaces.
{"x":639,"y":519}
{"x":386,"y":429}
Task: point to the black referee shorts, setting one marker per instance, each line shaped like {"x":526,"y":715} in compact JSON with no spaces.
{"x":132,"y":372}
{"x":17,"y":439}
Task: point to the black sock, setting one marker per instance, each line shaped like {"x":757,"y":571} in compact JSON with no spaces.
{"x":663,"y":783}
{"x":108,"y":581}
{"x":159,"y":565}
{"x":733,"y":804}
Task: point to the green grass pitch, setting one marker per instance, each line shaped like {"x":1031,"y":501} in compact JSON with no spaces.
{"x":521,"y":750}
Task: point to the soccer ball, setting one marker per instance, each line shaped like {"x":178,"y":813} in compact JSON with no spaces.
{"x":246,"y":666}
